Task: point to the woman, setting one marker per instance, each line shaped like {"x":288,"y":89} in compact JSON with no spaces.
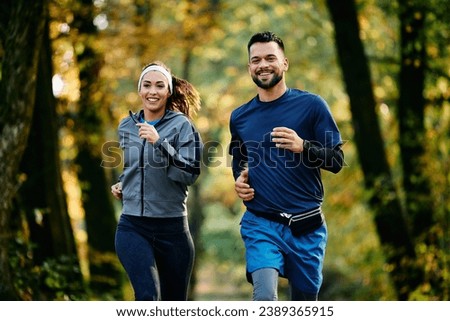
{"x":162,"y":152}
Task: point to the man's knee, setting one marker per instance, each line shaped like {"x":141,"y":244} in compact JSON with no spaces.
{"x":265,"y":285}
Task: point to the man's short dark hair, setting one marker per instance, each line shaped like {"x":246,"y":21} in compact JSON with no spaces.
{"x":266,"y":36}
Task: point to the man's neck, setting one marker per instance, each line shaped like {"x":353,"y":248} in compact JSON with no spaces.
{"x":273,"y":93}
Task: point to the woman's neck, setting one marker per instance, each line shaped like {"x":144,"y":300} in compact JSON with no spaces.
{"x":149,"y":116}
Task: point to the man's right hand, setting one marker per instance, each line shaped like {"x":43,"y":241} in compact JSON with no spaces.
{"x":242,"y":187}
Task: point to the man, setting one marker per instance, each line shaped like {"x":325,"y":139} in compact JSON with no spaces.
{"x":280,"y":141}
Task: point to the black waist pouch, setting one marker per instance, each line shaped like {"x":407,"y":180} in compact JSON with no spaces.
{"x":306,"y":222}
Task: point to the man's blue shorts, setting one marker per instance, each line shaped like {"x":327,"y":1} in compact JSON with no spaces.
{"x":271,"y":244}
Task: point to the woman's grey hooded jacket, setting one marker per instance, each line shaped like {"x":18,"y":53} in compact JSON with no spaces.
{"x":156,"y":177}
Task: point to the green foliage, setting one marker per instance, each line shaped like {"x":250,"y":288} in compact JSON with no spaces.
{"x":54,"y":279}
{"x":434,"y":258}
{"x":56,"y":276}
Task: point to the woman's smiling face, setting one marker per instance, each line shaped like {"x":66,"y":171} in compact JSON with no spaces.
{"x":154,"y":93}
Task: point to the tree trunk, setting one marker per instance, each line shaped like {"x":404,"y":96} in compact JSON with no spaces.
{"x":389,"y":220}
{"x":105,"y":276}
{"x":41,"y":197}
{"x":21,"y":41}
{"x":43,"y":190}
{"x":411,"y":113}
{"x":411,"y":107}
{"x":196,"y":212}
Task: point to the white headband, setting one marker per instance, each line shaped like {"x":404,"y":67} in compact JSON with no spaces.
{"x":161,"y":70}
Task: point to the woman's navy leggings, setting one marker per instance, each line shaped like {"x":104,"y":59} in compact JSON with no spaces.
{"x":157,"y":254}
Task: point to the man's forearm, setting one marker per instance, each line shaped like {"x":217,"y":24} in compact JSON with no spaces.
{"x":330,"y":159}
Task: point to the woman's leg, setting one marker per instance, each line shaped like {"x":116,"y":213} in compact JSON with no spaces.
{"x":175,"y":259}
{"x":137,"y":257}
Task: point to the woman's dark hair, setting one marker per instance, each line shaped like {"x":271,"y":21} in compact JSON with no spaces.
{"x":266,"y":36}
{"x":185,"y":98}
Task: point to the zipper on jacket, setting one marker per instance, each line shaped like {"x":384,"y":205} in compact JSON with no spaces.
{"x":141,"y":165}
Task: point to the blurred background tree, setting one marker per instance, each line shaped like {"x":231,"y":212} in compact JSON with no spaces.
{"x":381,"y":65}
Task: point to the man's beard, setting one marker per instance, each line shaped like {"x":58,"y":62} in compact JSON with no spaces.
{"x":275,"y":80}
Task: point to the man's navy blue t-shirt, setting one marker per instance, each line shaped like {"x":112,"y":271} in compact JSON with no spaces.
{"x":284,"y":181}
